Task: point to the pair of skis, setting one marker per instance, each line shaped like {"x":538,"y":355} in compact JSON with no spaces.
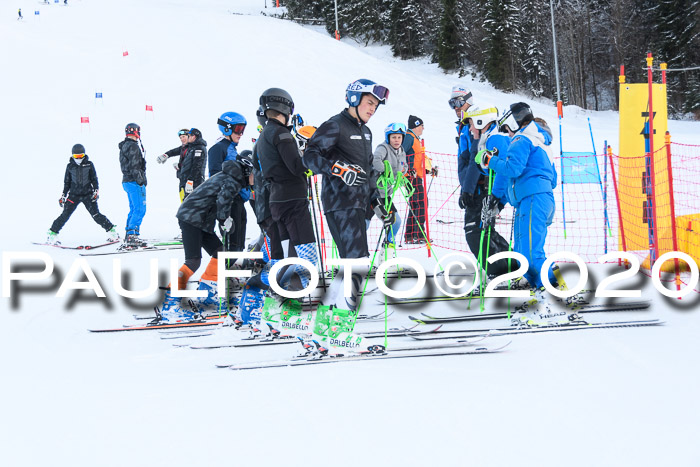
{"x":588,"y":308}
{"x":374,"y":352}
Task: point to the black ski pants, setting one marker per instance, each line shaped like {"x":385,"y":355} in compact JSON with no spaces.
{"x":347,"y":227}
{"x":72,"y":204}
{"x":415,"y":221}
{"x":497,"y":244}
{"x":292,"y":220}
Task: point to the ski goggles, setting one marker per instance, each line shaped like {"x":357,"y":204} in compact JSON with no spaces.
{"x":183,"y":132}
{"x":458,"y":102}
{"x":378,"y":91}
{"x":237,"y":128}
{"x":394,"y":128}
{"x":78,"y":156}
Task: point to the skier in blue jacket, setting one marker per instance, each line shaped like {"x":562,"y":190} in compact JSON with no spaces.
{"x":531,"y":181}
{"x":483,"y":126}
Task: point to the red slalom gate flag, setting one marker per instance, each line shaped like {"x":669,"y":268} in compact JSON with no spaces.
{"x":149,"y":108}
{"x":84,"y":119}
{"x":125,"y":53}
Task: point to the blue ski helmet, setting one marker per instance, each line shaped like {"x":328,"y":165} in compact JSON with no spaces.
{"x":229,"y":120}
{"x":394,"y":129}
{"x":355,"y":90}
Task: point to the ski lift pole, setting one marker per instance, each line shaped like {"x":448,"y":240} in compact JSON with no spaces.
{"x":560,"y":110}
{"x":561,"y":165}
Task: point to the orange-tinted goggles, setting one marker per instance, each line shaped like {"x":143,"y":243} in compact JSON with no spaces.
{"x":78,"y":156}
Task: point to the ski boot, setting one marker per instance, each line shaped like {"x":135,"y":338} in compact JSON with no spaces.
{"x":539,"y":311}
{"x":333,"y":327}
{"x":113,"y":235}
{"x":251,"y":304}
{"x":132,"y":242}
{"x":290,"y":315}
{"x":516,"y":284}
{"x":212,"y":298}
{"x":172,"y":311}
{"x":52,"y":238}
{"x":573,"y":302}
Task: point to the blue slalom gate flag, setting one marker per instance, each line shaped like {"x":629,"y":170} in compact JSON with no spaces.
{"x":579,"y":167}
{"x":98,"y":95}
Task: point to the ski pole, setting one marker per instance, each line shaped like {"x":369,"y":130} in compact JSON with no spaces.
{"x":315,"y":222}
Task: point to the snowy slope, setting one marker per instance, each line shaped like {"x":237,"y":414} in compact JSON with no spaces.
{"x":609,"y":397}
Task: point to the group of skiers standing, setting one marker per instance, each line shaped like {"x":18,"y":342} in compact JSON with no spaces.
{"x":502,"y":159}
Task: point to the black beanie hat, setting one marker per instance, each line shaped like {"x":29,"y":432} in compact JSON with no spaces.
{"x":414,"y":122}
{"x":78,"y":149}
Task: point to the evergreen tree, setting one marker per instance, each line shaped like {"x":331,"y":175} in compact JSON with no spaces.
{"x":447,"y":53}
{"x":675,"y":28}
{"x":502,"y":43}
{"x":536,"y":39}
{"x":407,"y":33}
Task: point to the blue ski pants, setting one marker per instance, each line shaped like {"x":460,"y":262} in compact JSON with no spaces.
{"x":532,"y":217}
{"x":137,"y":206}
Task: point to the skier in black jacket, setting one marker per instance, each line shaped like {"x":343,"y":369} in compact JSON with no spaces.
{"x":80,"y":185}
{"x":133,"y":164}
{"x":192,"y":163}
{"x":178,"y":152}
{"x":280,"y":165}
{"x":197,"y":216}
{"x":341,"y":151}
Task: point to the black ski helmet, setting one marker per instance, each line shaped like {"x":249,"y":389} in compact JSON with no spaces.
{"x":133,"y":129}
{"x":245,"y":158}
{"x":522,"y":113}
{"x":277,"y":99}
{"x":78,"y":149}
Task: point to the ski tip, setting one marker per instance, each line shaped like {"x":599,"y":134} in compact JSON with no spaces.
{"x":417,"y":320}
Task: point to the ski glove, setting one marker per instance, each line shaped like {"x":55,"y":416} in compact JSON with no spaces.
{"x":244,"y":194}
{"x":352,"y":175}
{"x":162,"y":158}
{"x":227,"y":224}
{"x":490,"y":208}
{"x":176,"y":165}
{"x":432,"y":172}
{"x":96,"y":195}
{"x":483,"y":157}
{"x":387,"y":217}
{"x":62,"y":200}
{"x":466,"y":200}
{"x":189,"y":186}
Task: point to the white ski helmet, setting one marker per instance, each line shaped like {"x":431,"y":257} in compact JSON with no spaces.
{"x":481,"y":115}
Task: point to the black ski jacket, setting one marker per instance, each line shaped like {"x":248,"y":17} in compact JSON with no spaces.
{"x":343,"y":138}
{"x":281,"y":163}
{"x":132,"y":161}
{"x":80,"y":179}
{"x":213,"y":199}
{"x":193,"y":161}
{"x":261,"y":188}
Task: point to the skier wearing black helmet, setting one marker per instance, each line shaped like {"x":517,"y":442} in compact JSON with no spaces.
{"x":80,"y":185}
{"x":280,"y":165}
{"x":133,"y":164}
